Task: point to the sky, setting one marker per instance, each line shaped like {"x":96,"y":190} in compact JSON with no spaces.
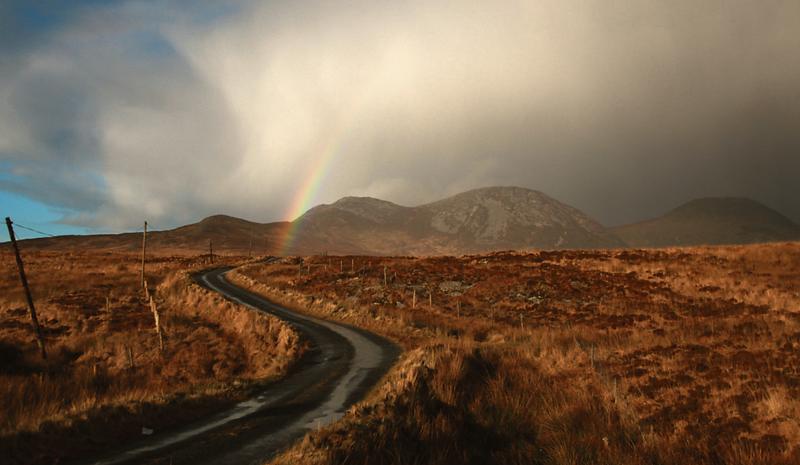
{"x":113,"y":112}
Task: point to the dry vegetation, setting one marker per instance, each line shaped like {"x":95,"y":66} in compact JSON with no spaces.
{"x":105,"y":378}
{"x":602,"y":357}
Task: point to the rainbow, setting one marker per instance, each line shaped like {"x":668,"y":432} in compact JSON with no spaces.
{"x":327,"y":149}
{"x":308,"y":193}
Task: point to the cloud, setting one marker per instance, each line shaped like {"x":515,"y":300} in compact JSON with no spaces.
{"x":159,"y":110}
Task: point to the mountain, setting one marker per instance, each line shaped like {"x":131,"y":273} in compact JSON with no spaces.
{"x":712,"y":221}
{"x":227,"y":233}
{"x":513,"y":217}
{"x":492,"y":218}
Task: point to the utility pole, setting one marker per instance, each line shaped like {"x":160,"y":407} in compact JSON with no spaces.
{"x":250,"y":250}
{"x":31,"y":308}
{"x":210,"y":251}
{"x":144,"y":249}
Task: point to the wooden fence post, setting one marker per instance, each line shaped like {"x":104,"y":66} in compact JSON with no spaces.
{"x":158,"y":323}
{"x":144,"y":249}
{"x":130,"y":356}
{"x":21,"y":268}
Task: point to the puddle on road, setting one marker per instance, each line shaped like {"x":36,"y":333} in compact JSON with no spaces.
{"x":369,"y":356}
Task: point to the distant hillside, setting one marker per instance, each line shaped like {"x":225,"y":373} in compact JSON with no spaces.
{"x":228,"y":234}
{"x":711,"y":221}
{"x":479,"y":220}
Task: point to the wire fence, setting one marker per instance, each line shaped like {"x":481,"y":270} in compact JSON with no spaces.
{"x":69,"y":249}
{"x":18,"y":225}
{"x":72,"y":247}
{"x":150,"y":228}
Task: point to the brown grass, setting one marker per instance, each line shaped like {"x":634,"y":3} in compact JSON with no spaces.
{"x":105,"y":377}
{"x":625,"y":357}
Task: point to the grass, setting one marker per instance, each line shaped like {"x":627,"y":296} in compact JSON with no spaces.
{"x":662,"y":356}
{"x":575,"y":357}
{"x":105,"y":377}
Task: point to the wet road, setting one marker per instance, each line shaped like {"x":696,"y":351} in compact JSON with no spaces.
{"x":342,"y":364}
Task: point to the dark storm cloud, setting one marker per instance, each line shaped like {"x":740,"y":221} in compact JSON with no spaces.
{"x":674,"y":101}
{"x":622,"y":109}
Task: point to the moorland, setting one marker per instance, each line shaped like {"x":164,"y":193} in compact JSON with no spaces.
{"x":663,"y":356}
{"x":623,"y":356}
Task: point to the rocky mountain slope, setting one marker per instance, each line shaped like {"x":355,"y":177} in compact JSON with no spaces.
{"x":479,"y":220}
{"x":711,"y":221}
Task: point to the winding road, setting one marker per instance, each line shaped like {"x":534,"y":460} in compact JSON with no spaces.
{"x":343,"y":363}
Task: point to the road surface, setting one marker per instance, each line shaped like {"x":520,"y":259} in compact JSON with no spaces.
{"x":342,"y":364}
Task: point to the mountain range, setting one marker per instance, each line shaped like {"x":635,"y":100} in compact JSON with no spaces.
{"x":479,"y":220}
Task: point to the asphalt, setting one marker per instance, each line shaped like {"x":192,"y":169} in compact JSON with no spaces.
{"x":341,"y":366}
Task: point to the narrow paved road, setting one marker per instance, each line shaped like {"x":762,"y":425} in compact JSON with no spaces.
{"x":341,"y":366}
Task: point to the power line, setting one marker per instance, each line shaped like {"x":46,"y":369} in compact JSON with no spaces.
{"x":33,"y":230}
{"x":19,"y":225}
